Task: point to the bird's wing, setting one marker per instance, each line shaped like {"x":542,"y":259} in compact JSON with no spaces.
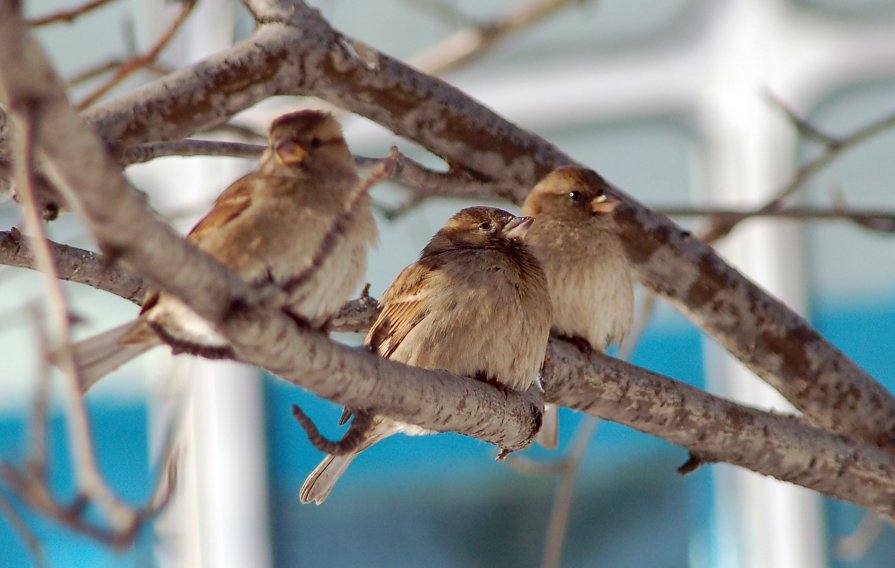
{"x":404,"y":305}
{"x":228,"y":206}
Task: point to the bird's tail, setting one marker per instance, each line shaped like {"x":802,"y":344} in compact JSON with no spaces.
{"x":320,"y":483}
{"x":548,"y":435}
{"x":101,"y":354}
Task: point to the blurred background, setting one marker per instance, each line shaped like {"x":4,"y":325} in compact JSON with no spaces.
{"x":671,"y":101}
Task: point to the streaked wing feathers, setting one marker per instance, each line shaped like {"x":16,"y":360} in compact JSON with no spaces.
{"x":404,"y":305}
{"x":229,"y":205}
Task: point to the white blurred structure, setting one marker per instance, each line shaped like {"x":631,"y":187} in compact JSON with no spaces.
{"x":219,"y":516}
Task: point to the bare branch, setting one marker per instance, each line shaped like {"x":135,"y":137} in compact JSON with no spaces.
{"x":874,"y":220}
{"x":87,"y":472}
{"x":75,"y":265}
{"x":562,"y":503}
{"x":146,"y":152}
{"x":772,"y":444}
{"x":720,"y":227}
{"x":18,"y":523}
{"x":592,"y":384}
{"x":67,"y":15}
{"x":111,"y":65}
{"x":135,"y":63}
{"x":858,"y":543}
{"x":820,"y":379}
{"x":475,"y":40}
{"x":804,"y":127}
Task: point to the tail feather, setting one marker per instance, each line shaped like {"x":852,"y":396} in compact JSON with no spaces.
{"x":101,"y":354}
{"x":320,"y":483}
{"x":548,"y":435}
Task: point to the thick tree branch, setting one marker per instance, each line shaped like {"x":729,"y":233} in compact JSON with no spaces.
{"x":711,"y":427}
{"x":777,"y":445}
{"x":75,"y":265}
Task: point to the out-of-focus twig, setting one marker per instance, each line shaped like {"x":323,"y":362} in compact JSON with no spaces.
{"x":86,"y":469}
{"x":109,"y":66}
{"x":874,"y":220}
{"x":67,"y":15}
{"x":474,"y":40}
{"x":857,"y":544}
{"x":31,"y":484}
{"x":803,"y":126}
{"x":721,"y":226}
{"x":562,"y":503}
{"x":18,"y":523}
{"x":140,"y":61}
{"x":567,"y":467}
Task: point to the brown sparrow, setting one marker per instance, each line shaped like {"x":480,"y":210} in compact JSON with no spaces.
{"x":575,"y":238}
{"x":475,"y":304}
{"x":269,"y":227}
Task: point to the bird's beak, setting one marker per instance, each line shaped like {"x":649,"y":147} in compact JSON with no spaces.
{"x":289,"y":152}
{"x":604,"y":204}
{"x":517,"y":228}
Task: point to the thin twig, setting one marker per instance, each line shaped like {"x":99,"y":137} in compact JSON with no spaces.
{"x":858,"y":543}
{"x":329,"y":240}
{"x":474,"y":40}
{"x":67,"y":15}
{"x":38,"y":432}
{"x":18,"y":523}
{"x":562,"y":503}
{"x":803,"y":126}
{"x":140,"y":61}
{"x":720,"y":227}
{"x":141,"y":153}
{"x":875,"y":220}
{"x":87,"y":473}
{"x":111,"y":65}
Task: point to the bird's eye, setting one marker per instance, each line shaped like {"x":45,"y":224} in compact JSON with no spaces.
{"x":575,"y":195}
{"x":485,"y":227}
{"x":315,"y":142}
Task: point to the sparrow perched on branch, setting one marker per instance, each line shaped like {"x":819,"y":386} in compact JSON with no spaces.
{"x":474,"y":304}
{"x":576,"y":239}
{"x":301,"y":221}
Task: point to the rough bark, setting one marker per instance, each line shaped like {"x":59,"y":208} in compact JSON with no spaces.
{"x":75,"y":265}
{"x":715,"y":429}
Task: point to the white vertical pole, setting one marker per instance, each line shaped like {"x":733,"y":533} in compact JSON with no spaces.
{"x":219,"y":517}
{"x":761,"y":522}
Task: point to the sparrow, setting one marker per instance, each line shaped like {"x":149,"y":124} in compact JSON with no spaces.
{"x":475,"y":303}
{"x":577,"y":242}
{"x":299,"y":221}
